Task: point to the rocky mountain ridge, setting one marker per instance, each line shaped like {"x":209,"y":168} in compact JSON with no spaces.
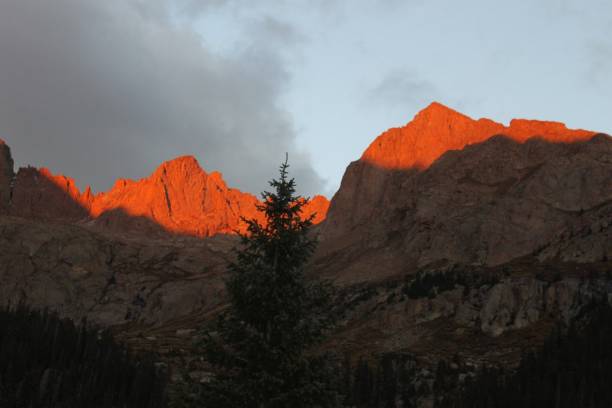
{"x":413,"y":200}
{"x":179,"y":198}
{"x":438,"y":129}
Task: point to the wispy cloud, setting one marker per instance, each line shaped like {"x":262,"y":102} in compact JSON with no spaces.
{"x":402,"y":89}
{"x":599,"y":63}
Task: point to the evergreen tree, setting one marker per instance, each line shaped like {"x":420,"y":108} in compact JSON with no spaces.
{"x":49,"y":362}
{"x":262,"y":347}
{"x":572,"y":369}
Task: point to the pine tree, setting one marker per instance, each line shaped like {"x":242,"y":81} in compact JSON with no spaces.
{"x":262,"y":347}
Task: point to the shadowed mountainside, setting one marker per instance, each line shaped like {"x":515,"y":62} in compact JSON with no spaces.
{"x":409,"y":202}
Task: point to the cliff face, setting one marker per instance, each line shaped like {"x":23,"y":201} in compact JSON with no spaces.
{"x":38,"y":194}
{"x":414,"y":199}
{"x":178,"y":198}
{"x":6,"y":176}
{"x":438,"y":129}
{"x":111,"y":281}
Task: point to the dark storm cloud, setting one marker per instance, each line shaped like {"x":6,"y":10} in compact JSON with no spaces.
{"x":107,"y":89}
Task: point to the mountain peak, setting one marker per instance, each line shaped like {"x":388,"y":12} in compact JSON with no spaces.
{"x":438,"y":129}
{"x":437,"y":109}
{"x":187,"y":165}
{"x":182,"y":160}
{"x":178,"y":197}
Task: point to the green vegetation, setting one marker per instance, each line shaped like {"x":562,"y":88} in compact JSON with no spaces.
{"x":46,"y":361}
{"x":261,"y":348}
{"x":570,"y":370}
{"x":430,"y":284}
{"x":380,"y":383}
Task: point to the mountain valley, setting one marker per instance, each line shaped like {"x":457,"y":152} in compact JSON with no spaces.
{"x":450,"y":239}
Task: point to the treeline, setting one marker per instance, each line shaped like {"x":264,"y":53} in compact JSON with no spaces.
{"x":572,"y":369}
{"x":386,"y":381}
{"x":48,"y":362}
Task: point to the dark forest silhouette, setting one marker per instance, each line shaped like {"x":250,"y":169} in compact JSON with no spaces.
{"x":49,"y":362}
{"x":570,"y":370}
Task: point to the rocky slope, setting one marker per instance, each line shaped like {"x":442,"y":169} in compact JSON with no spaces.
{"x":108,"y":279}
{"x":465,"y":316}
{"x":179,"y":198}
{"x":467,"y":241}
{"x":413,"y":199}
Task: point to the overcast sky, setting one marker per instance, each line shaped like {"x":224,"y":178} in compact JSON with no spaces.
{"x":105,"y":89}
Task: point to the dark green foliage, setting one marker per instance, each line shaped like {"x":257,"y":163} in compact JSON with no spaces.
{"x":261,"y":347}
{"x":50,"y":362}
{"x":381,"y":383}
{"x":572,"y":369}
{"x":431,"y":283}
{"x":363,"y":389}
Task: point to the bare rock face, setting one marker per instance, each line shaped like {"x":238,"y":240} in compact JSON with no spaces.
{"x":178,"y":198}
{"x":483,"y":314}
{"x":438,"y":129}
{"x":40,"y":195}
{"x":6,"y":176}
{"x":414,"y":199}
{"x":111,"y":281}
{"x":317,"y":207}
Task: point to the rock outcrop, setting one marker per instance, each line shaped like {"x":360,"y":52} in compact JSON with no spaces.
{"x":111,"y":281}
{"x":477,"y":308}
{"x":438,"y":129}
{"x":178,"y":198}
{"x":317,"y":206}
{"x":40,"y":195}
{"x":6,"y":176}
{"x":414,"y":199}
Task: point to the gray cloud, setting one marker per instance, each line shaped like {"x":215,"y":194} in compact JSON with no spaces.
{"x":274,"y":32}
{"x":107,"y":89}
{"x":403,"y":89}
{"x":599,"y":63}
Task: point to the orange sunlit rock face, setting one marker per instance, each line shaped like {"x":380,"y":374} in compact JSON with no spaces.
{"x":438,"y":129}
{"x":318,"y":206}
{"x":180,"y":197}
